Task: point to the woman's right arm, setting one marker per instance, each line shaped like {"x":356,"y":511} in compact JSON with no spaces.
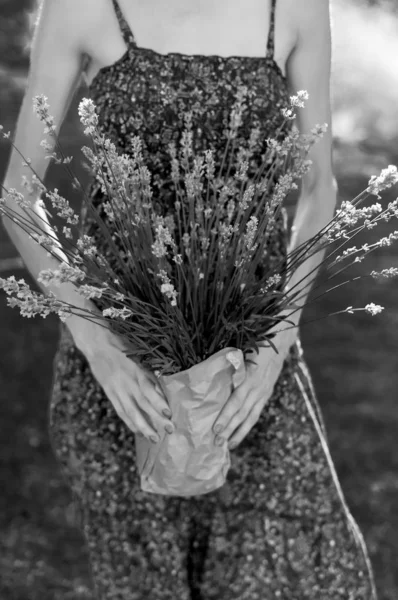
{"x":55,"y":70}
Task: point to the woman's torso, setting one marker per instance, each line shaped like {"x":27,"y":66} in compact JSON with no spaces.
{"x":146,"y":93}
{"x":224,"y":28}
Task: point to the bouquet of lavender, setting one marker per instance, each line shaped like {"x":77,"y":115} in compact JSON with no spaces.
{"x":191,"y":290}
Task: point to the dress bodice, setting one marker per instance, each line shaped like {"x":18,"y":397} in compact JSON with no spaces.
{"x":146,"y":93}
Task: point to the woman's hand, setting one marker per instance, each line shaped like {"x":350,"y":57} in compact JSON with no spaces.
{"x":243,"y":408}
{"x":133,"y":390}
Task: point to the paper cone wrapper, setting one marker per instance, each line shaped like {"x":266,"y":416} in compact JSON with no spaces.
{"x":187,"y":462}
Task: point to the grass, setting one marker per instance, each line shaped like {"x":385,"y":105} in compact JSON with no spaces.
{"x":352,"y":358}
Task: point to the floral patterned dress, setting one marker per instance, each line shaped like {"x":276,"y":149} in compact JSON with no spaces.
{"x":279,"y":527}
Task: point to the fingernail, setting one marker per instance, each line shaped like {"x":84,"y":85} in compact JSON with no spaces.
{"x":167,"y":413}
{"x":218,"y":428}
{"x":169,"y":428}
{"x":219,"y":441}
{"x":232,"y":445}
{"x":154,"y":439}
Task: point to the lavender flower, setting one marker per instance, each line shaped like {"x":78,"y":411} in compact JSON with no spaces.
{"x":373,"y":309}
{"x":167,"y":288}
{"x":63,"y":208}
{"x":31,"y":304}
{"x":42,"y":110}
{"x":91,"y":291}
{"x":88,"y":116}
{"x":299,"y":98}
{"x":385,"y":273}
{"x":64,"y":274}
{"x":163,"y":239}
{"x":117,"y":313}
{"x":387,"y":178}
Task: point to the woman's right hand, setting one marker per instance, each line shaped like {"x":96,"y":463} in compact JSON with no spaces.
{"x":134,"y":391}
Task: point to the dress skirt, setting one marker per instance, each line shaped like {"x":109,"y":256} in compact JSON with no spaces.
{"x":278,"y":528}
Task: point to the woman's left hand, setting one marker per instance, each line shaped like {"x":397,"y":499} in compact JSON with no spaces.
{"x":243,"y":408}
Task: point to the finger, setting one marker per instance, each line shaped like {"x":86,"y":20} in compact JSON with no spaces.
{"x":124,"y":416}
{"x":156,"y":382}
{"x":230,"y":408}
{"x":239,"y":417}
{"x":242,"y":431}
{"x":152,"y":389}
{"x":142,"y":424}
{"x":122,"y":411}
{"x":131,"y":415}
{"x":150,"y":375}
{"x":146,"y":397}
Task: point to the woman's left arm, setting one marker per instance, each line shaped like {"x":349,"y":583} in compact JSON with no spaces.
{"x":308,"y":68}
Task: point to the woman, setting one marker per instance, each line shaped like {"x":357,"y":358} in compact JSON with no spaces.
{"x":279,"y":527}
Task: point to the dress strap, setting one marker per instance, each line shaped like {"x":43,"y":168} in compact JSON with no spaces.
{"x":271,"y":35}
{"x":128,"y":35}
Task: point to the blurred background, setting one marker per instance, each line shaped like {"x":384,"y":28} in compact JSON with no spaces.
{"x":353,"y":359}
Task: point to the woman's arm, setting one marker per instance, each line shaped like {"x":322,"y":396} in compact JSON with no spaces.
{"x":55,"y":70}
{"x":309,"y":68}
{"x":60,"y":39}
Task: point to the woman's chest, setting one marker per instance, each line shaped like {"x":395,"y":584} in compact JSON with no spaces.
{"x":224,"y":27}
{"x":149,"y":96}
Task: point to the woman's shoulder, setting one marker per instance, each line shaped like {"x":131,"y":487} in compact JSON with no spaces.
{"x":73,"y":19}
{"x":299,"y":20}
{"x":81,"y":26}
{"x":307,"y":14}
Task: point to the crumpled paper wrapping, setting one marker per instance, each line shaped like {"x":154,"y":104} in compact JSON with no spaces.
{"x":187,"y":462}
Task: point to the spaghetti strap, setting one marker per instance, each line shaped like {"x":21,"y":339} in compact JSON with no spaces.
{"x":271,"y":34}
{"x":128,"y":35}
